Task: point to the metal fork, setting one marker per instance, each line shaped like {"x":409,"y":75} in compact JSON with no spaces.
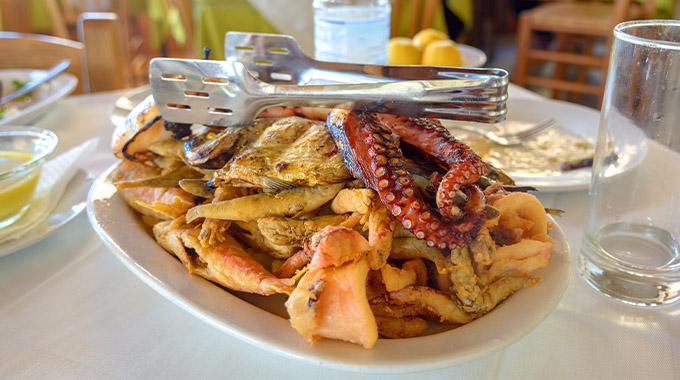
{"x":507,"y":139}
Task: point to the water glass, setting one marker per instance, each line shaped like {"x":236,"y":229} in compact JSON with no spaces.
{"x":630,"y":249}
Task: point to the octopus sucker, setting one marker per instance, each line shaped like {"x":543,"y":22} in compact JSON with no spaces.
{"x":355,"y":134}
{"x":437,"y":144}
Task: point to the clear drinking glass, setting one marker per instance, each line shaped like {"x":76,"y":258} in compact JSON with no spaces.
{"x":631,"y":239}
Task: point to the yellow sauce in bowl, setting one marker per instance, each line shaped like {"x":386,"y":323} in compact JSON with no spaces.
{"x":16,"y":191}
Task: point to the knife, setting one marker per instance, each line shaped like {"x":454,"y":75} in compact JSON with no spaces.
{"x":33,"y":83}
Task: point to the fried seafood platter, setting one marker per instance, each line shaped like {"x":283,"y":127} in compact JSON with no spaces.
{"x":367,"y":225}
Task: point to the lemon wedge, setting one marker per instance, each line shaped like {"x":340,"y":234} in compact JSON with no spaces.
{"x":427,"y":36}
{"x":442,"y":53}
{"x":402,"y":51}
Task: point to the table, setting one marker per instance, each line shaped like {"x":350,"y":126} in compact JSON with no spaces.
{"x":69,"y":309}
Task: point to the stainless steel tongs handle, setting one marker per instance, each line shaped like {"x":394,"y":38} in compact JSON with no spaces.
{"x":225,"y":93}
{"x":449,"y":99}
{"x":278,"y":59}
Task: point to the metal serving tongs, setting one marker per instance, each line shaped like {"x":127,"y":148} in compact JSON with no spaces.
{"x":226,"y":93}
{"x":278,"y":59}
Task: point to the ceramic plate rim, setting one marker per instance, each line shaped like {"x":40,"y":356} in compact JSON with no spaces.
{"x":82,"y":180}
{"x":472,"y":56}
{"x":64,"y":84}
{"x":120,"y":229}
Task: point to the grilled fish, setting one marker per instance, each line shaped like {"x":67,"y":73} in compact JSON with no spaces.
{"x":289,"y":152}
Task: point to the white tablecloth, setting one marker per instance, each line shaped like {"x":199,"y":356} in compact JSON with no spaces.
{"x":70,"y":309}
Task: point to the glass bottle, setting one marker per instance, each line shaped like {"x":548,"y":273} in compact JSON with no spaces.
{"x":353,"y":31}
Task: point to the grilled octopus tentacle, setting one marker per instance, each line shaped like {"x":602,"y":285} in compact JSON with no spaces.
{"x":434,"y":141}
{"x":372,"y":154}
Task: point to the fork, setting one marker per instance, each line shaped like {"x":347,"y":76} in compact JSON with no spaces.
{"x":507,"y":139}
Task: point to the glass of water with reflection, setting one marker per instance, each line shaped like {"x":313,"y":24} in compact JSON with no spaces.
{"x":631,"y":239}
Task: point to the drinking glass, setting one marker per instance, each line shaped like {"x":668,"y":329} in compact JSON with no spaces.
{"x":630,"y":249}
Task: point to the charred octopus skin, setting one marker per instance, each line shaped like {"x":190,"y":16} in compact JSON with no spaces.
{"x":372,"y":154}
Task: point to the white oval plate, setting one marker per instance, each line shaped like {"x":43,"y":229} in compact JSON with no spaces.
{"x":259,"y":321}
{"x":577,"y":119}
{"x":71,"y":204}
{"x":471,"y":56}
{"x":54,"y":90}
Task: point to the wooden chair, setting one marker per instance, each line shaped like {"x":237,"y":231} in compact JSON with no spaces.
{"x":64,"y":13}
{"x":137,"y":29}
{"x":106,"y":57}
{"x":577,"y":27}
{"x":421,"y":15}
{"x":96,"y":61}
{"x":34,"y":51}
{"x":15,"y":15}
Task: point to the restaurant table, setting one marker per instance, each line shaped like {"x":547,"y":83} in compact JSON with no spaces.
{"x":70,"y":309}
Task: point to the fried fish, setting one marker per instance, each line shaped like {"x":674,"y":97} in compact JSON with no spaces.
{"x":289,"y":152}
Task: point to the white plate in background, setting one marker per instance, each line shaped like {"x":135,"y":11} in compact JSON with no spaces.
{"x":471,"y":56}
{"x":261,"y":321}
{"x":43,"y":97}
{"x":576,"y":119}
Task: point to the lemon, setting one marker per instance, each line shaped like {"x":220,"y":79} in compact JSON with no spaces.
{"x":427,"y":36}
{"x":442,"y":53}
{"x":402,"y":51}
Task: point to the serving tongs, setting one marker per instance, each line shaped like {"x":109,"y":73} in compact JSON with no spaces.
{"x":278,"y":59}
{"x":226,"y":93}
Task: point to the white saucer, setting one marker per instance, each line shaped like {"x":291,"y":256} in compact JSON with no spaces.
{"x":72,"y":203}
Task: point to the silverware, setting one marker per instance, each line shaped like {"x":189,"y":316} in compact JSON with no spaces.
{"x":507,"y":139}
{"x":226,"y":93}
{"x":278,"y":59}
{"x":52,"y":72}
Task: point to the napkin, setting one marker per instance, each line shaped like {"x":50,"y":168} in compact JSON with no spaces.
{"x":55,"y":176}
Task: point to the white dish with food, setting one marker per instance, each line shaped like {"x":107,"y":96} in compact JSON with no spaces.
{"x":27,"y":110}
{"x":262,"y":321}
{"x":71,"y":204}
{"x":536,"y":163}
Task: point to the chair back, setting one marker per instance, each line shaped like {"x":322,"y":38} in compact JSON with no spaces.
{"x":64,"y":13}
{"x":99,"y":60}
{"x":34,"y":51}
{"x":625,"y":10}
{"x":15,"y":15}
{"x":577,"y":26}
{"x":107,"y":59}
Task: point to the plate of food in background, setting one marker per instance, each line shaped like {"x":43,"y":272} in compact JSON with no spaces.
{"x":558,"y":159}
{"x":32,"y":106}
